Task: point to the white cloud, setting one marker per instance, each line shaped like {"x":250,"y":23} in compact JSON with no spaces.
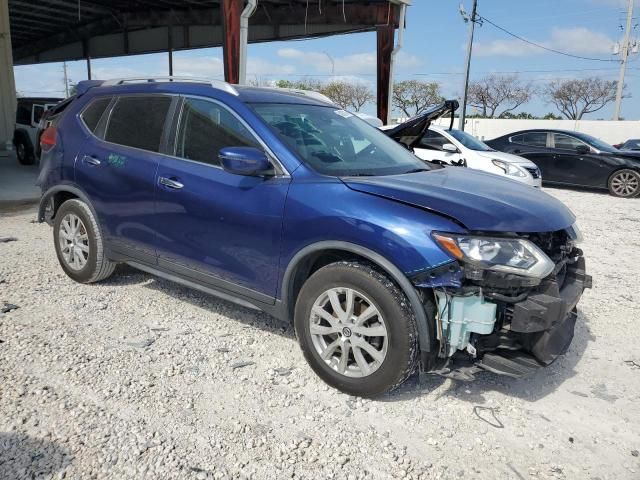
{"x":358,"y":63}
{"x":577,"y":41}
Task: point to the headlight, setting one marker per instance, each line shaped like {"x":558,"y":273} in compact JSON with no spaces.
{"x":509,"y":168}
{"x":575,"y":234}
{"x":510,"y":255}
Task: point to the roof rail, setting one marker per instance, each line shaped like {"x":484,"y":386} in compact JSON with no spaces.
{"x":219,"y":84}
{"x":309,"y":93}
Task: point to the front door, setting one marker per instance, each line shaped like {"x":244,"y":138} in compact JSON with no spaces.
{"x":213,"y":226}
{"x":429,"y":148}
{"x":117,"y":167}
{"x":576,"y":164}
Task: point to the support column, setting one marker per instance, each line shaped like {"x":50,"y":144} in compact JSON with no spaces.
{"x":385,"y":35}
{"x":7,"y":80}
{"x":86,"y":50}
{"x":231,"y":10}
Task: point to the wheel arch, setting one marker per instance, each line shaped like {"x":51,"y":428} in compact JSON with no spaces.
{"x":58,"y":195}
{"x":317,"y":255}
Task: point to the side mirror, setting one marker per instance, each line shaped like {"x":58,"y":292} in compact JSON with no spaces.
{"x":582,"y":149}
{"x":248,"y":161}
{"x":449,"y":147}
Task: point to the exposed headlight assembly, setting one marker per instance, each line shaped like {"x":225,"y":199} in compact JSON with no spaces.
{"x":509,"y":255}
{"x":510,"y":169}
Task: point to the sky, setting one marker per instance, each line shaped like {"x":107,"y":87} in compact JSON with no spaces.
{"x":434,"y":50}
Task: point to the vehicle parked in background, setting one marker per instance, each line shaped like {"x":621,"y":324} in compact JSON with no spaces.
{"x":575,"y":159}
{"x":449,"y":146}
{"x":282,"y":202}
{"x":29,"y":111}
{"x":633,"y":144}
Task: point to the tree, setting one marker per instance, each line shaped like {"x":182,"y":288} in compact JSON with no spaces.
{"x":302,"y":84}
{"x":495,"y":91}
{"x":552,"y":116}
{"x":577,"y":97}
{"x":414,"y":96}
{"x":351,"y":96}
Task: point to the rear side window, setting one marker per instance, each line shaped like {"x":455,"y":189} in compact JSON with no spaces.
{"x":93,"y":113}
{"x":533,"y":139}
{"x":205,"y":128}
{"x":138,"y":122}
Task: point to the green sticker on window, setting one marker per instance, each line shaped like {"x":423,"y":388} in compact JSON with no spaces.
{"x":116,"y":160}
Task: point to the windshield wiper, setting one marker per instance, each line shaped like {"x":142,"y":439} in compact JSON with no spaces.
{"x":417,"y":170}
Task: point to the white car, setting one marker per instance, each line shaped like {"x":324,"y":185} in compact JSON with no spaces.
{"x":457,"y":148}
{"x":453,"y":146}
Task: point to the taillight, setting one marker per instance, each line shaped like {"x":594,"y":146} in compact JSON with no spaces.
{"x":48,"y":139}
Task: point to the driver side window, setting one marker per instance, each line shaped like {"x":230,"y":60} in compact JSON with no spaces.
{"x":565,"y":142}
{"x":205,"y":128}
{"x":432,"y":140}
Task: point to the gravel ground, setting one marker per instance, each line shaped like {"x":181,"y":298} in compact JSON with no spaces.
{"x":139,"y":378}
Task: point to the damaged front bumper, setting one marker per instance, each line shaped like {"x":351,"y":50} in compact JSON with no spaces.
{"x":480,"y":326}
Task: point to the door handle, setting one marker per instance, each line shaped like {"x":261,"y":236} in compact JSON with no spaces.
{"x":89,"y":160}
{"x":170,"y":183}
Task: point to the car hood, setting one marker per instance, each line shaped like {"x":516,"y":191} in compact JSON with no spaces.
{"x":507,"y":157}
{"x":480,"y":201}
{"x":632,"y":154}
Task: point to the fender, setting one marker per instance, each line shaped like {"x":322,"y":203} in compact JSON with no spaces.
{"x":424,"y":334}
{"x":63,"y":187}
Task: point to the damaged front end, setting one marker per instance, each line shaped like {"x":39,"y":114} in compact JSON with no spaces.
{"x":507,"y":304}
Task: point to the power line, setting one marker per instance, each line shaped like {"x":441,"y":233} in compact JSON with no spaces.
{"x":485,"y":19}
{"x":514,"y":72}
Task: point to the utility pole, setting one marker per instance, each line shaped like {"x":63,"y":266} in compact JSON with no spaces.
{"x":66,"y":80}
{"x":472,"y":24}
{"x":624,"y":53}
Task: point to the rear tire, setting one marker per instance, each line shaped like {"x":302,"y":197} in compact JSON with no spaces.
{"x":79,"y":244}
{"x":364,"y":339}
{"x":24,"y":152}
{"x":624,"y":183}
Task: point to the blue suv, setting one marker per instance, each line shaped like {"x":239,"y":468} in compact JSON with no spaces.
{"x":280,"y":201}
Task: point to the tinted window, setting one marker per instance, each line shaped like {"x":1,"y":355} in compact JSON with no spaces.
{"x":92,"y":114}
{"x":138,"y":121}
{"x":38,"y":110}
{"x":205,"y":128}
{"x":23,"y":114}
{"x":432,"y":140}
{"x":533,"y":139}
{"x":566,"y":142}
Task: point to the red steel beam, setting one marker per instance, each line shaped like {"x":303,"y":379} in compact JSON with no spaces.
{"x":231,"y":10}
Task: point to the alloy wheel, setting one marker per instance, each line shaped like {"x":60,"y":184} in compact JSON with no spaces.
{"x":348,"y":332}
{"x":625,"y":184}
{"x":74,"y":241}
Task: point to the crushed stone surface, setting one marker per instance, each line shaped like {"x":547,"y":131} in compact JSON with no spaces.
{"x":137,"y":377}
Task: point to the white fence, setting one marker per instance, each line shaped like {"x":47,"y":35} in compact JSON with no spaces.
{"x":608,"y":130}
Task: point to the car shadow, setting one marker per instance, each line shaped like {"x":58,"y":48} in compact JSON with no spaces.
{"x":530,"y":388}
{"x":126,"y":275}
{"x":23,"y":456}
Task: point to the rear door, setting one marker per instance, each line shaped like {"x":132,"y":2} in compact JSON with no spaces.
{"x":117,"y":167}
{"x":220,"y":229}
{"x":535,"y":147}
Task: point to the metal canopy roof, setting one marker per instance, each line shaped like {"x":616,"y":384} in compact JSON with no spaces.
{"x":59,"y":30}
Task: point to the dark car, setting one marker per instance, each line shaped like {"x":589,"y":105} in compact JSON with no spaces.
{"x":633,"y":145}
{"x":285,"y":203}
{"x":575,"y":159}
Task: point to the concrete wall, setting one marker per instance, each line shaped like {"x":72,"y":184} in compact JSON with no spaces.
{"x":608,"y":130}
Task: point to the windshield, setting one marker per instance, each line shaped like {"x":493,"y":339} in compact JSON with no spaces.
{"x":469,"y":141}
{"x":596,"y":143}
{"x":337,"y":143}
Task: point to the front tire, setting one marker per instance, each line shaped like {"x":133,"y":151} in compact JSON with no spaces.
{"x":624,"y":183}
{"x":356,"y":329}
{"x":79,"y":244}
